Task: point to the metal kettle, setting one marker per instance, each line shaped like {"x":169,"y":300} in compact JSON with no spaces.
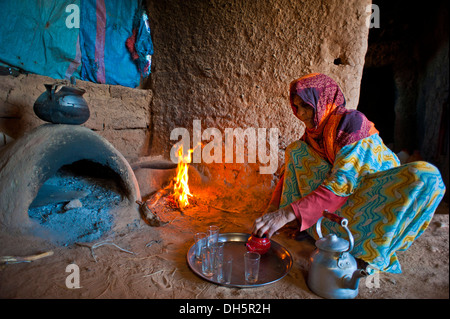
{"x":62,"y":104}
{"x":333,"y":273}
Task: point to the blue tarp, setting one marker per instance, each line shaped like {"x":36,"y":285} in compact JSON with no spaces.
{"x":34,"y":36}
{"x":41,"y":36}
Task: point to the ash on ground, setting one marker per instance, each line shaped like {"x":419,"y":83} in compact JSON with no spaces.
{"x":79,"y":209}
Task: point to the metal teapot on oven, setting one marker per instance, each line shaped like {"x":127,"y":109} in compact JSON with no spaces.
{"x":333,"y":273}
{"x":62,"y":104}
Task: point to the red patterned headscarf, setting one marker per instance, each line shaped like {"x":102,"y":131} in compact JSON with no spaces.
{"x":335,"y":126}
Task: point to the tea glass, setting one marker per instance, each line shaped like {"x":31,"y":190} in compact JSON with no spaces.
{"x":213,"y":235}
{"x":207,"y":261}
{"x":251,"y":260}
{"x":225,"y":270}
{"x":200,"y":241}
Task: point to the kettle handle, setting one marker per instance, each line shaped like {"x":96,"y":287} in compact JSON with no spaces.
{"x":51,"y":90}
{"x":339,"y":220}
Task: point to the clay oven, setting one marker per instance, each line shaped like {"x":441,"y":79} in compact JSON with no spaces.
{"x":30,"y":161}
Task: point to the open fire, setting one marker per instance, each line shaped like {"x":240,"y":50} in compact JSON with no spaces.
{"x":176,"y":195}
{"x":181,"y":192}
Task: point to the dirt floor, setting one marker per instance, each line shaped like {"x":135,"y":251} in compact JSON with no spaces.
{"x":150,"y":262}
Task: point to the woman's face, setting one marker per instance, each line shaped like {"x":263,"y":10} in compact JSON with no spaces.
{"x":305,"y":112}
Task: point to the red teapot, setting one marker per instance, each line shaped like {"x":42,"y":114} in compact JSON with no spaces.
{"x":257,"y":244}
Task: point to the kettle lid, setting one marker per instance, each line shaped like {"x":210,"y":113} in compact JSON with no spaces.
{"x":332,"y":243}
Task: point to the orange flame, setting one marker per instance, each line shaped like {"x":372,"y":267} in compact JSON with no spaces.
{"x":181,"y":187}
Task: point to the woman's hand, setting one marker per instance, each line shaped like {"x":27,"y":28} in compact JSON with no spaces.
{"x":269,"y":223}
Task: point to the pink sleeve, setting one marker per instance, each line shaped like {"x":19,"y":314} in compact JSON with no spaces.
{"x":309,"y":209}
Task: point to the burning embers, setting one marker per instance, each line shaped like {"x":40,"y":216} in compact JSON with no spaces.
{"x":176,"y":195}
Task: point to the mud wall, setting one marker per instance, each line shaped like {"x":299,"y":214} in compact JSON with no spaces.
{"x":119,"y":114}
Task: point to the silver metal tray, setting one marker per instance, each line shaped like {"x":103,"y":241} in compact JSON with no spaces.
{"x":274,"y":265}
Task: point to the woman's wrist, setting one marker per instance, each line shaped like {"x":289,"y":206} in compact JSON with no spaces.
{"x":289,"y":214}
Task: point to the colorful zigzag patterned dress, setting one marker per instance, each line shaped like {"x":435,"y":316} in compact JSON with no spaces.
{"x":388,"y":205}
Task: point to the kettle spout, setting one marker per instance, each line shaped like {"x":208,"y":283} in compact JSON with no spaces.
{"x":353,"y":281}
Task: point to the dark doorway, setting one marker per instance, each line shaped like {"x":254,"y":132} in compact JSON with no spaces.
{"x":377,"y":100}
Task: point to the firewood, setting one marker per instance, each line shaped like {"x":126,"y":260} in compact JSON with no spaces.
{"x":149,"y":216}
{"x":18,"y":259}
